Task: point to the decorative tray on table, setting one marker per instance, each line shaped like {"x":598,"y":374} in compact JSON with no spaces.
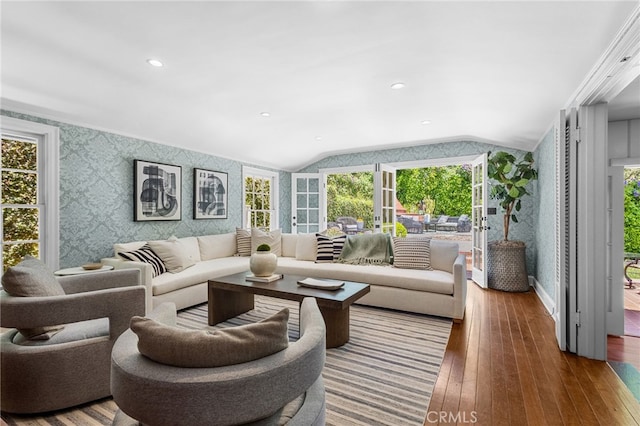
{"x":324,"y":284}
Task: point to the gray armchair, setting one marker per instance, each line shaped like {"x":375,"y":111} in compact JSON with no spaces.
{"x":286,"y":385}
{"x":73,"y":366}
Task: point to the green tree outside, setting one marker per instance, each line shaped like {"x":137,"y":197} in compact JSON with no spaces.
{"x":632,"y":210}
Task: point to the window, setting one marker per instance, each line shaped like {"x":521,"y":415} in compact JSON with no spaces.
{"x":260,"y":198}
{"x":29,"y":167}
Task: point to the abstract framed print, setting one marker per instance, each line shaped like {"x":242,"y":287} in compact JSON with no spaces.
{"x":209,"y":194}
{"x":158,"y":191}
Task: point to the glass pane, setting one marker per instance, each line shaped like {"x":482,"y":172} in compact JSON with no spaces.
{"x":314,"y":228}
{"x":314,"y":201}
{"x":301,"y":185}
{"x":314,"y":216}
{"x":266,"y":202}
{"x":314,"y":184}
{"x":301,"y":201}
{"x":19,"y":155}
{"x":20,"y":224}
{"x":302,"y":229}
{"x":19,"y":188}
{"x":12,"y":254}
{"x":302,"y":216}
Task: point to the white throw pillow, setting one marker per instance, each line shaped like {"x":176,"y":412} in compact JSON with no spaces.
{"x":273,"y":238}
{"x":175,"y":256}
{"x":307,"y":247}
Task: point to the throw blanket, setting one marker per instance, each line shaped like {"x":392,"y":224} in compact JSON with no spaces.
{"x":366,"y":249}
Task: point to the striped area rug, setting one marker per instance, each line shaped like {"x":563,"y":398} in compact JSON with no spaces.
{"x":383,"y":376}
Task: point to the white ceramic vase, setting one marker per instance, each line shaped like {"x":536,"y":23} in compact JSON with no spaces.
{"x":263,"y":264}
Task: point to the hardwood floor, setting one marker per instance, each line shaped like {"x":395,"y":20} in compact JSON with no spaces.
{"x":503,"y":367}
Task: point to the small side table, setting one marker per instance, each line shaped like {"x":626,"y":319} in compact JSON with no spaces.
{"x":633,"y":259}
{"x":80,"y":270}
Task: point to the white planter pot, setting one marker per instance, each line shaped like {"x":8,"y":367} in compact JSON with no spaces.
{"x":263,"y":264}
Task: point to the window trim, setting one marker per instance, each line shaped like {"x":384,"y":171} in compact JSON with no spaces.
{"x":49,"y":148}
{"x":275,"y":194}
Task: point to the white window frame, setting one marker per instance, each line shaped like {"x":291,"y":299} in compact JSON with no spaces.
{"x":275,"y":195}
{"x":48,"y":139}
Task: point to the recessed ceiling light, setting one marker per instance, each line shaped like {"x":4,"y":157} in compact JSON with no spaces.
{"x":265,"y":114}
{"x":155,"y":63}
{"x":398,"y":85}
{"x":425,"y":122}
{"x":318,"y":138}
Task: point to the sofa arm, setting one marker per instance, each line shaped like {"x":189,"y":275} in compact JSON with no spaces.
{"x":459,"y":286}
{"x":146,"y":275}
{"x":81,"y":283}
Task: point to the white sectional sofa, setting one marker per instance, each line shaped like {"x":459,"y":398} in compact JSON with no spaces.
{"x":441,"y":291}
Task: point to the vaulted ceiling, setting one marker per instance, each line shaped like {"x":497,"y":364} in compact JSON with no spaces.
{"x":282,"y":84}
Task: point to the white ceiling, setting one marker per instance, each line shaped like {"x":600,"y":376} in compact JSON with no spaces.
{"x":495,"y":71}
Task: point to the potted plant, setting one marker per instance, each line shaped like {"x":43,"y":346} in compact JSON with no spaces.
{"x":263,"y":263}
{"x":507,"y":268}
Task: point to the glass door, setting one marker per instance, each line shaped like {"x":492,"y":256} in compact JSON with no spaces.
{"x":308,"y":211}
{"x":384,"y":201}
{"x":479,"y":220}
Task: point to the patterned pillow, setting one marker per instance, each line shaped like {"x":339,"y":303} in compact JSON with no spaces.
{"x":412,"y":253}
{"x":243,"y":241}
{"x":146,"y":255}
{"x":329,"y":249}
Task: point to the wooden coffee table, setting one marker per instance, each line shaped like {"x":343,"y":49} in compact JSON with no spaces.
{"x":232,"y":295}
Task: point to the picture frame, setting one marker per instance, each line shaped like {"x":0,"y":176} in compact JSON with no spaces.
{"x":210,"y":198}
{"x":157,"y":191}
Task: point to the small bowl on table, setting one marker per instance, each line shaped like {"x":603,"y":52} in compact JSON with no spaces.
{"x":91,"y":266}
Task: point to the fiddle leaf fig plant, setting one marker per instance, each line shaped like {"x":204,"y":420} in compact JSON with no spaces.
{"x":512,"y":177}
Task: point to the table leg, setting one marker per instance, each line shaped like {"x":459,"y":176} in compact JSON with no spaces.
{"x":337,"y":324}
{"x":224,"y":305}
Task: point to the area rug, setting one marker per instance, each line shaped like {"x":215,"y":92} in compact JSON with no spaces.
{"x":383,"y":376}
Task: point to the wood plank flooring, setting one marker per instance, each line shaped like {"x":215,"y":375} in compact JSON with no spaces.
{"x":503,"y":367}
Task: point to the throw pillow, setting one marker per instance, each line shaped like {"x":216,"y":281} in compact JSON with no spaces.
{"x":32,"y":278}
{"x":211,"y":348}
{"x":173,"y":254}
{"x":329,"y":249}
{"x":146,"y":255}
{"x":243,"y":241}
{"x":306,"y":247}
{"x":273,"y":238}
{"x":412,"y":253}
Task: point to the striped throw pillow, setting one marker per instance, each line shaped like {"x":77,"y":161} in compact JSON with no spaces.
{"x":146,"y":255}
{"x":412,"y":253}
{"x":329,"y":248}
{"x":243,"y":241}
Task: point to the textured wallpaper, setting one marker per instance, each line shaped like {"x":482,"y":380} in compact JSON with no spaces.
{"x":545,"y":157}
{"x":96,"y":191}
{"x":524,"y":230}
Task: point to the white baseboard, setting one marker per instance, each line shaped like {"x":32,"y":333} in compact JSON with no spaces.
{"x":544,"y":297}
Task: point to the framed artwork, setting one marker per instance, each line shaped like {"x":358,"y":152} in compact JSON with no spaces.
{"x":209,"y":194}
{"x":158,"y":191}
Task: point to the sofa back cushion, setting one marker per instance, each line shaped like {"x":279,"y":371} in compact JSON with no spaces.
{"x":217,"y":246}
{"x":443,"y":255}
{"x":290,"y":244}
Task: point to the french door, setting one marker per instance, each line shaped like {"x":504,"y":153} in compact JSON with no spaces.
{"x":479,"y":220}
{"x":384,"y":199}
{"x":308,"y":207}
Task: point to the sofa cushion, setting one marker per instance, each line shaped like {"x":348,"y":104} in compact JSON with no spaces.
{"x":329,"y":249}
{"x":412,"y":253}
{"x":273,"y":238}
{"x":443,"y":255}
{"x":32,"y":278}
{"x":243,"y":241}
{"x":216,"y":246}
{"x":174,"y":253}
{"x":211,"y":348}
{"x":120,"y":247}
{"x":146,"y":255}
{"x":307,"y":247}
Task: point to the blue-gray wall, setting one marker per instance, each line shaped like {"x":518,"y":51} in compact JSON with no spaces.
{"x":545,"y":158}
{"x":524,"y":230}
{"x":96,"y":191}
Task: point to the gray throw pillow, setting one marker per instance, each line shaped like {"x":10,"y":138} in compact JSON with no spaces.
{"x":211,"y":348}
{"x":32,"y":278}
